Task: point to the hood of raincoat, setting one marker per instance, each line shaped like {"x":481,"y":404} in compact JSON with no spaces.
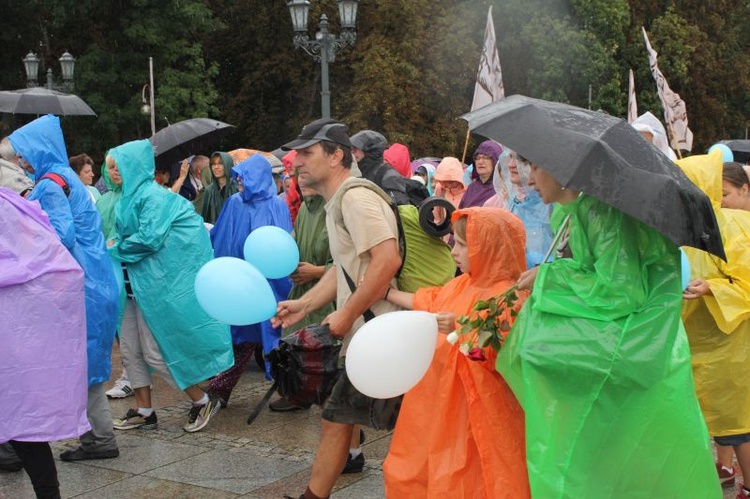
{"x":107,"y":179}
{"x":705,"y":171}
{"x":373,"y":144}
{"x":496,"y":240}
{"x":257,"y":179}
{"x":135,"y":160}
{"x":488,"y":148}
{"x":228,"y":162}
{"x":398,"y":157}
{"x":41,"y":144}
{"x":449,"y":169}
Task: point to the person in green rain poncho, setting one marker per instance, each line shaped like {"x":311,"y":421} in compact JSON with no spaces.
{"x":599,"y":361}
{"x":163,"y":243}
{"x":221,"y":187}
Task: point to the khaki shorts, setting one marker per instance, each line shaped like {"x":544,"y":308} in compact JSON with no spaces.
{"x":347,"y":405}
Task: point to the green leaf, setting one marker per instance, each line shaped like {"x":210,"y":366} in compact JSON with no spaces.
{"x":485,"y":337}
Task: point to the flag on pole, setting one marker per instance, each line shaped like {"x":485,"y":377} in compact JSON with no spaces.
{"x":632,"y":104}
{"x":489,"y":85}
{"x":675,"y":112}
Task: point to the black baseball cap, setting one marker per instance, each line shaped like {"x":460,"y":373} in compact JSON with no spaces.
{"x":322,"y":129}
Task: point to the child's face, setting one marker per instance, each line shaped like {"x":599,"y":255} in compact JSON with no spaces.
{"x":460,"y":254}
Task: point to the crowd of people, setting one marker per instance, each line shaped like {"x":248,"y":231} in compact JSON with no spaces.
{"x":605,"y":348}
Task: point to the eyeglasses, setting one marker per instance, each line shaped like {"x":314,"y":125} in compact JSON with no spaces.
{"x":482,"y":156}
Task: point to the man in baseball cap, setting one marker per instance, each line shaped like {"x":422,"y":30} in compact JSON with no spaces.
{"x":324,"y":129}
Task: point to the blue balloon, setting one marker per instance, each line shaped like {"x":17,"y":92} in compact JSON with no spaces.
{"x":234,"y":292}
{"x":726,"y":153}
{"x":684,"y":269}
{"x":273,"y":251}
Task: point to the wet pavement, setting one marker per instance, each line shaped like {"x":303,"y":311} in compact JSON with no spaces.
{"x":269,"y":459}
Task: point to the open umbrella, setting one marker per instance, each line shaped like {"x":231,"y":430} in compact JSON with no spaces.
{"x":185,"y":138}
{"x":739,"y":147}
{"x":603,"y":156}
{"x":39,"y":100}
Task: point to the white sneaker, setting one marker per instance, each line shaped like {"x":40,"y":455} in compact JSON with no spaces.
{"x":121,"y":389}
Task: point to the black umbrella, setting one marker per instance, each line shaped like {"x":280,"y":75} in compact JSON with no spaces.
{"x":188,"y":137}
{"x":603,"y":156}
{"x":740,"y":149}
{"x":39,"y":100}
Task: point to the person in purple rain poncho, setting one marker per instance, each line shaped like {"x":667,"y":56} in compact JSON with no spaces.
{"x":481,"y":188}
{"x":43,"y":371}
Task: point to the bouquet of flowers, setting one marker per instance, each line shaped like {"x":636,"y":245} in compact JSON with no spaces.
{"x":487,"y":324}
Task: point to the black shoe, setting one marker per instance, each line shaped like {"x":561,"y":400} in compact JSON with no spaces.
{"x":354,"y":465}
{"x":286,"y":405}
{"x":361,"y":436}
{"x":10,"y":464}
{"x":80,"y":454}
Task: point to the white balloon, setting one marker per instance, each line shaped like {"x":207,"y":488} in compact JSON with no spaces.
{"x":391,"y":353}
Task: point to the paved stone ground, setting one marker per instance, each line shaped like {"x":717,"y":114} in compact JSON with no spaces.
{"x":268,"y":459}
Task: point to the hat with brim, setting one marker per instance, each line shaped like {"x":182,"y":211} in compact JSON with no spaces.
{"x":319,"y":130}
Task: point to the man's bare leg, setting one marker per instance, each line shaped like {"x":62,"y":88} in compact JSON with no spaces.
{"x":330,"y":457}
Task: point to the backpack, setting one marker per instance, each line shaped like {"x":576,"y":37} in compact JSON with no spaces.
{"x":425,"y":260}
{"x":56,"y":178}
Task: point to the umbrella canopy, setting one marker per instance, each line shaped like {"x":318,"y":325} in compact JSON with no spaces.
{"x":39,"y":100}
{"x":188,"y":137}
{"x":603,"y":156}
{"x":739,"y":147}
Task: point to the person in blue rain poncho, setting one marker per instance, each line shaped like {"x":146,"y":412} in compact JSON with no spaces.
{"x":76,"y":221}
{"x":256,"y":205}
{"x":163,"y":243}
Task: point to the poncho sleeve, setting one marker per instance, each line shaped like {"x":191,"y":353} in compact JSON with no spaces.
{"x":424,"y":298}
{"x":153,"y":227}
{"x":54,"y":201}
{"x":604,"y":280}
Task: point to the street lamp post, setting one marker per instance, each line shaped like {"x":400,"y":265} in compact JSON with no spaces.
{"x":326,"y":45}
{"x":148,"y":107}
{"x":67,"y":67}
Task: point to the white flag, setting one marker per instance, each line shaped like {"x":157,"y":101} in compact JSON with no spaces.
{"x":675,"y":112}
{"x":489,"y":85}
{"x":632,"y":104}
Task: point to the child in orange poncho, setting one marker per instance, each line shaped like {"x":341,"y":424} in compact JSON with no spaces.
{"x":460,"y":432}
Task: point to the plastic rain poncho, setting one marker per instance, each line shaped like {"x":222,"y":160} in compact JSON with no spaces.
{"x":215,"y":196}
{"x":79,"y":227}
{"x":163,"y":242}
{"x":460,"y":432}
{"x":599,"y":361}
{"x":718,"y":325}
{"x":43,"y":334}
{"x":256,"y":206}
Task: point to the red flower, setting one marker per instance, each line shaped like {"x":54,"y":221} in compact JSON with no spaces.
{"x":477,"y":353}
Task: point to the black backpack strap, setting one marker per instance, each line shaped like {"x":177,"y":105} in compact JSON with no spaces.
{"x":368,"y":315}
{"x":58,"y":180}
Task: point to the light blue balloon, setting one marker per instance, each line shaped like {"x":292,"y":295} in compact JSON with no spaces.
{"x":726,"y":153}
{"x":234,"y":292}
{"x":273,"y":251}
{"x":684,"y":269}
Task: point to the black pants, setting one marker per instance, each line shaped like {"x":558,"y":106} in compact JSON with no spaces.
{"x":40,"y":466}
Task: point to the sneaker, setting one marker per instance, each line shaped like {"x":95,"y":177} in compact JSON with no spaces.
{"x":121,"y":389}
{"x":354,"y":465}
{"x":80,"y":454}
{"x":134,"y":419}
{"x":741,"y":494}
{"x":726,"y":475}
{"x":200,"y":415}
{"x":286,"y":405}
{"x":223,"y":401}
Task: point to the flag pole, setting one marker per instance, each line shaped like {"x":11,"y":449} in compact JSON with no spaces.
{"x":672,"y":139}
{"x":466,"y":145}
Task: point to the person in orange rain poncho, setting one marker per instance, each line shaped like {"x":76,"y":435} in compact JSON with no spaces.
{"x":460,"y":432}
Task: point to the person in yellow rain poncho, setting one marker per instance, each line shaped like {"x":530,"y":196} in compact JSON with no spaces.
{"x":716,"y":313}
{"x":600,"y":363}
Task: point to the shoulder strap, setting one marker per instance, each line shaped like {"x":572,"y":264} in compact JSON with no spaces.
{"x":368,"y":314}
{"x":338,"y":215}
{"x":58,"y":180}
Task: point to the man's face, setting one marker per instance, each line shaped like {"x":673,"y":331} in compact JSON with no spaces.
{"x":313,"y":165}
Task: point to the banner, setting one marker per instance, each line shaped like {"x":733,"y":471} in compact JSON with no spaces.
{"x":632,"y":104}
{"x":675,"y":112}
{"x":489,"y":85}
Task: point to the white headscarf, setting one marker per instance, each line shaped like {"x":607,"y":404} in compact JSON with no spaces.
{"x":647,"y":122}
